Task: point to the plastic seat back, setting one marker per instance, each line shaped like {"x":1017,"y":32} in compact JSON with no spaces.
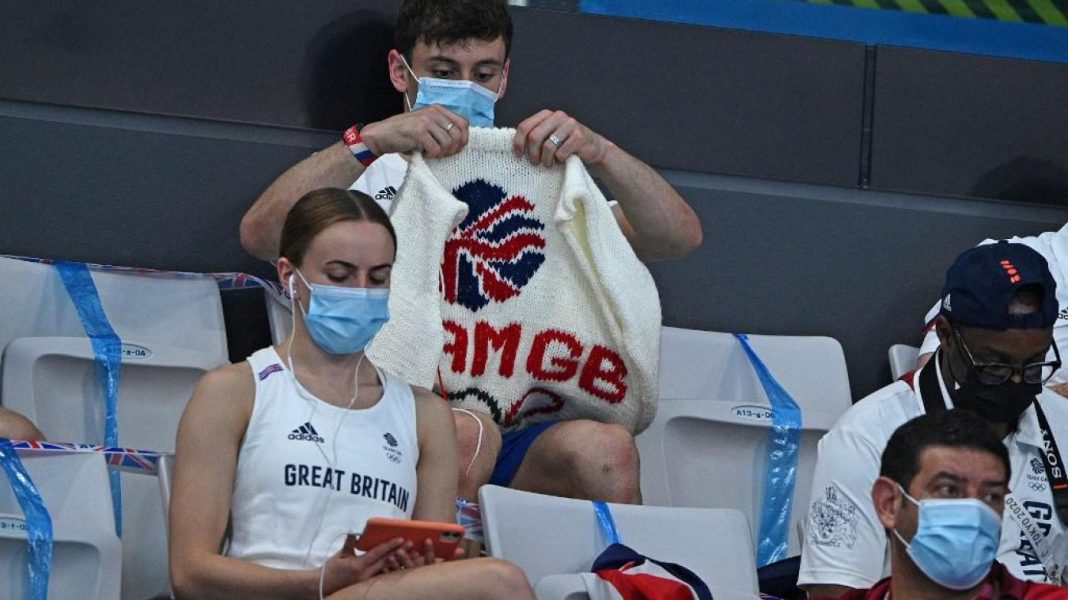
{"x":547,"y":535}
{"x":902,"y":359}
{"x":86,"y":563}
{"x":708,"y":445}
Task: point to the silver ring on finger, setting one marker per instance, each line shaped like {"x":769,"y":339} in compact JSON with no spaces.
{"x":556,"y":141}
{"x":449,"y":126}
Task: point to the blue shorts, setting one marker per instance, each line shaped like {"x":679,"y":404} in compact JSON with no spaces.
{"x":514,"y":447}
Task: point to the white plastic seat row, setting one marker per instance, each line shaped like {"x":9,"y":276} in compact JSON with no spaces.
{"x":87,"y":556}
{"x":53,"y":381}
{"x":172,"y":332}
{"x":183,"y":312}
{"x":707,"y":446}
{"x":554,"y":539}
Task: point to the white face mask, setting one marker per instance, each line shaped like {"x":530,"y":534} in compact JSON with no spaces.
{"x":465,"y":98}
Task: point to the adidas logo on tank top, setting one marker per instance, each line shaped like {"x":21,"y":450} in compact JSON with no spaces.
{"x":306,"y":433}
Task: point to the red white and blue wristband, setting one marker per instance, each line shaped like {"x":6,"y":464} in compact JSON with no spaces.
{"x":356,"y":145}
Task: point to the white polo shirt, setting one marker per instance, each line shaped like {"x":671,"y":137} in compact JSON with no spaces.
{"x":382,"y":179}
{"x":1053,"y":246}
{"x":844,"y":542}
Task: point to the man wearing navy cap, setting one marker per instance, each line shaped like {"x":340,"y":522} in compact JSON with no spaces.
{"x":995,"y":328}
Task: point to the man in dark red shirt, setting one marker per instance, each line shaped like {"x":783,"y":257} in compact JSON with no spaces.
{"x":940,"y":494}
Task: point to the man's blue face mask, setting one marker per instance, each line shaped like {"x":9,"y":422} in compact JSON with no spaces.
{"x":956,"y":540}
{"x":465,"y":98}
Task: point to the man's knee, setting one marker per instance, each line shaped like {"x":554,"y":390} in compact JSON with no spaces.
{"x":605,"y":459}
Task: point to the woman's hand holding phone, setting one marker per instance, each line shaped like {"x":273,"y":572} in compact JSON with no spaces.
{"x":346,"y":568}
{"x":429,"y":540}
{"x":408,"y":558}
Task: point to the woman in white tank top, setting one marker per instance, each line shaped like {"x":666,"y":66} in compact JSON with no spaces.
{"x":305,"y":441}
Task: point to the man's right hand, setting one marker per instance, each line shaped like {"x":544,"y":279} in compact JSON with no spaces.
{"x":433,"y":130}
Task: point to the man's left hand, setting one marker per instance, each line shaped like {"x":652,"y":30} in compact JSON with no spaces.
{"x":550,"y":137}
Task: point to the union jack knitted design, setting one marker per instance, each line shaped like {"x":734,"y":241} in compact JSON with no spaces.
{"x":522,"y":276}
{"x":620,"y":573}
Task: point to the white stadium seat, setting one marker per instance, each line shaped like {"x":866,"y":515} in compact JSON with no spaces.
{"x":53,"y":382}
{"x":707,"y":446}
{"x":552,"y":539}
{"x":172,"y":331}
{"x":86,"y":561}
{"x":183,"y":313}
{"x":902,"y":359}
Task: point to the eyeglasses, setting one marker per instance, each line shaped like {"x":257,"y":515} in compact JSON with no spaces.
{"x":999,"y":373}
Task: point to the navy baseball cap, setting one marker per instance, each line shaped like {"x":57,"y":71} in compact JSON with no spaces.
{"x":982,"y":281}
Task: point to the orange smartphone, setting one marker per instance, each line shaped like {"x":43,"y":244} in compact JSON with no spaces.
{"x":379,"y":530}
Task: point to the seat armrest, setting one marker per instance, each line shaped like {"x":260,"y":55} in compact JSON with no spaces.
{"x":561,"y":587}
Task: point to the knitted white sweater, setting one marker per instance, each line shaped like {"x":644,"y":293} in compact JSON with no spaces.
{"x":543,"y":309}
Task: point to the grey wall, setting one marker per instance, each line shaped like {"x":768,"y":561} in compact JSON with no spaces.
{"x":829,"y":177}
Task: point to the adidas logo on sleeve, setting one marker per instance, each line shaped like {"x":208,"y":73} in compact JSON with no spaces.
{"x":306,"y":433}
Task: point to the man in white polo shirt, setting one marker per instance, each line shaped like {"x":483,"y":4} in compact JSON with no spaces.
{"x":995,"y":327}
{"x":451,"y":64}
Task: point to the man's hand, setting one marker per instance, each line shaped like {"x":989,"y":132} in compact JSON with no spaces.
{"x":552,"y":136}
{"x":654,"y":217}
{"x":345,"y":568}
{"x":433,"y":130}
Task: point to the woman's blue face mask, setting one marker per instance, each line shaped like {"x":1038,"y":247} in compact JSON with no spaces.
{"x":465,"y":98}
{"x":343,"y":320}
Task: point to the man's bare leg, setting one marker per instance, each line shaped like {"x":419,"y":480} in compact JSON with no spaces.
{"x":582,"y":459}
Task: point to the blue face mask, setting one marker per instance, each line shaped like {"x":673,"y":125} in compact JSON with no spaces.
{"x":465,"y":98}
{"x":343,"y":320}
{"x":956,"y":541}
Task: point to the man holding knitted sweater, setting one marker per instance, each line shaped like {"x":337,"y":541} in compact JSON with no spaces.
{"x":451,"y":63}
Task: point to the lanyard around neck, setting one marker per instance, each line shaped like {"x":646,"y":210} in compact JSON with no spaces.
{"x":1051,"y":460}
{"x":931,"y":394}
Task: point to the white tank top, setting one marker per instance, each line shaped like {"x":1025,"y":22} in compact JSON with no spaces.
{"x":290,"y":495}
